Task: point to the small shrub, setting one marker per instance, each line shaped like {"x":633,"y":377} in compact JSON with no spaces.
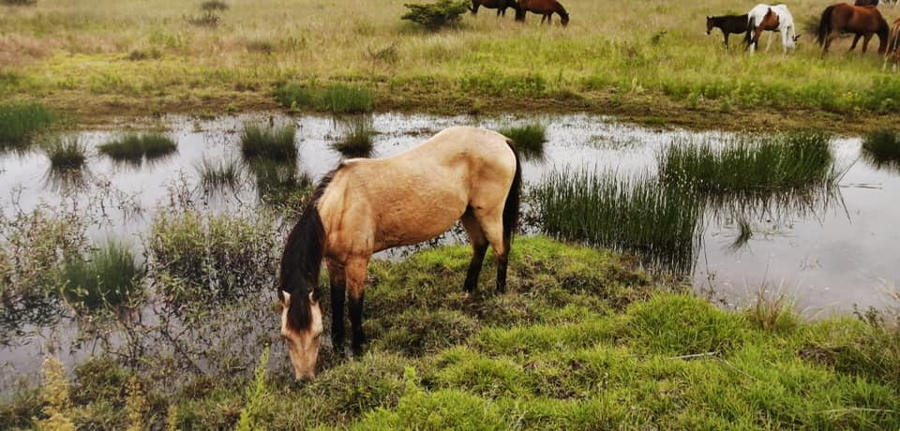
{"x":58,"y":406}
{"x":357,"y":138}
{"x":435,"y":16}
{"x":528,"y":139}
{"x":66,"y":154}
{"x":108,"y":277}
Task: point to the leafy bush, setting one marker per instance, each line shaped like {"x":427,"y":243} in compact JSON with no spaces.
{"x":436,"y":16}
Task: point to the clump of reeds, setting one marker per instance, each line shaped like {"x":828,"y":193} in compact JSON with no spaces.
{"x":336,"y":99}
{"x":109,"y":276}
{"x":133,"y":148}
{"x":639,"y":216}
{"x":272,"y":143}
{"x":216,"y":176}
{"x":20,"y":121}
{"x":356,"y":140}
{"x":881,"y":148}
{"x":66,"y":154}
{"x":528,"y":139}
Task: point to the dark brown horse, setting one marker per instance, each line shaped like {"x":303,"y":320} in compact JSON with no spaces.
{"x":863,"y":21}
{"x":728,"y":24}
{"x":500,"y":5}
{"x":865,"y":3}
{"x":542,"y":7}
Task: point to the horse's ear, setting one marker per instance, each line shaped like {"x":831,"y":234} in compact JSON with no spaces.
{"x":708,"y":17}
{"x":797,"y":37}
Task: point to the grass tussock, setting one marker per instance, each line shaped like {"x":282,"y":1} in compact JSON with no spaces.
{"x":881,"y":148}
{"x":19,"y":122}
{"x":134,"y":148}
{"x":357,"y":139}
{"x":108,"y":277}
{"x":219,"y":176}
{"x":580,"y":341}
{"x":529,"y":139}
{"x":335,"y":99}
{"x":66,"y":154}
{"x":272,"y":143}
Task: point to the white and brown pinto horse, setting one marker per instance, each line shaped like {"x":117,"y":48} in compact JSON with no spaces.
{"x":775,"y":18}
{"x":367,"y":205}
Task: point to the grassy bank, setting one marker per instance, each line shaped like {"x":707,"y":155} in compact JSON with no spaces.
{"x":648,"y":59}
{"x":581,"y":341}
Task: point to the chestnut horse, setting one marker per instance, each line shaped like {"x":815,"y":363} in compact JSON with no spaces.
{"x":728,"y":24}
{"x":863,"y":21}
{"x":542,"y":7}
{"x":775,"y":18}
{"x":500,"y":5}
{"x":367,"y":205}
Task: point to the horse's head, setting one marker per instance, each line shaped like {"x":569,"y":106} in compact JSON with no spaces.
{"x":564,"y":19}
{"x":709,"y":24}
{"x":301,"y":327}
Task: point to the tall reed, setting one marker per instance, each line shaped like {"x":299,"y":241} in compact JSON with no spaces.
{"x":529,"y":139}
{"x":273,"y":143}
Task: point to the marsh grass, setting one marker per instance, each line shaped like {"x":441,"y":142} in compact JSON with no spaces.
{"x":19,"y":122}
{"x":881,"y":148}
{"x":134,"y":148}
{"x":357,"y":138}
{"x":272,"y":143}
{"x":108,"y":277}
{"x":743,"y":167}
{"x":66,"y":154}
{"x":217,"y":176}
{"x":335,"y":98}
{"x":529,"y":139}
{"x":637,"y":216}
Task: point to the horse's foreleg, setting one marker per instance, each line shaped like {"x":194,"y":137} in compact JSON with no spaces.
{"x":866,"y":40}
{"x":338,"y":281}
{"x":855,"y":40}
{"x":356,"y":282}
{"x":726,"y":38}
{"x":479,"y":248}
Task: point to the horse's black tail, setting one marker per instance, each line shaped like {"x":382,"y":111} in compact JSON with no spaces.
{"x":824,"y":25}
{"x":751,"y":25}
{"x":513,"y":200}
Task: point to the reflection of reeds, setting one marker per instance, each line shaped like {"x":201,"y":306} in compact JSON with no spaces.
{"x":133,"y":148}
{"x":745,"y":232}
{"x":216,"y":176}
{"x":108,"y":277}
{"x":529,"y":140}
{"x":639,"y":216}
{"x":881,"y":149}
{"x":357,"y":138}
{"x":268,"y":142}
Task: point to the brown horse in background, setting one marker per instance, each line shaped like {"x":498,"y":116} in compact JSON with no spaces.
{"x":542,"y":7}
{"x":863,"y":21}
{"x":865,"y":3}
{"x":500,"y":5}
{"x":728,"y":24}
{"x":893,"y":49}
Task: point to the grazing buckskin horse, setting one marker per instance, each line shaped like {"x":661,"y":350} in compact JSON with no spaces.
{"x":892,"y":53}
{"x":785,"y":25}
{"x":542,"y":7}
{"x":863,"y":21}
{"x":500,"y":5}
{"x":367,"y":205}
{"x":728,"y":24}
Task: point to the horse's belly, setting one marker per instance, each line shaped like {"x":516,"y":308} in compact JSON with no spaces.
{"x":413,"y":227}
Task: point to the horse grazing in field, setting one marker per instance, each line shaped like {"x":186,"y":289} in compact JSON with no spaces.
{"x":893,"y":49}
{"x":863,"y":21}
{"x":775,"y":18}
{"x":542,"y":7}
{"x":500,"y":5}
{"x":367,"y":205}
{"x":728,"y":24}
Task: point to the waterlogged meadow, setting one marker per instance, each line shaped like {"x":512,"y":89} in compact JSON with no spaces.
{"x":157,"y":310}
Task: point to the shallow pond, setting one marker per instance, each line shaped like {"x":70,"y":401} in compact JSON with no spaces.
{"x":833,"y":256}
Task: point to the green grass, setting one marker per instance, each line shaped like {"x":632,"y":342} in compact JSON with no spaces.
{"x":133,"y":148}
{"x":66,"y":154}
{"x":273,"y":143}
{"x":19,"y":122}
{"x":335,"y":99}
{"x":108,"y":277}
{"x":637,"y":216}
{"x":218,"y":176}
{"x":529,"y":139}
{"x":356,"y":140}
{"x":881,"y":148}
{"x":580,"y":341}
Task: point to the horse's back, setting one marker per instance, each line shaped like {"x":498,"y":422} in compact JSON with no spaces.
{"x":416,"y":195}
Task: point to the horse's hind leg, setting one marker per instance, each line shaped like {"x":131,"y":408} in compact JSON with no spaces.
{"x":491,"y":222}
{"x":355,"y":270}
{"x":866,"y":40}
{"x":479,"y":248}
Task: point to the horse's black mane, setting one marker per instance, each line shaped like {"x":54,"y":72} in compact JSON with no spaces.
{"x":302,"y":258}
